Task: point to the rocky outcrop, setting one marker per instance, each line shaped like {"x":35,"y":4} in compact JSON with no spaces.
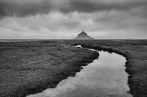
{"x":83,"y":36}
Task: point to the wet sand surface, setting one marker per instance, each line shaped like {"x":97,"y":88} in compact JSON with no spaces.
{"x":105,"y":77}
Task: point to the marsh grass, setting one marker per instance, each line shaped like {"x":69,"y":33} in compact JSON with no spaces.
{"x":135,"y":52}
{"x":31,"y":67}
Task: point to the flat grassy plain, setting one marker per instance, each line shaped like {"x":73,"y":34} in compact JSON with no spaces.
{"x":135,"y":52}
{"x":31,"y":67}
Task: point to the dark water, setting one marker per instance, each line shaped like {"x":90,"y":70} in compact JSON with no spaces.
{"x":105,"y":77}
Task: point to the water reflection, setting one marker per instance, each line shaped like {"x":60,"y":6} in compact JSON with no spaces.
{"x":105,"y":77}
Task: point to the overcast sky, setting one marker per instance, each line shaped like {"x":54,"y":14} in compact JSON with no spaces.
{"x":64,"y":19}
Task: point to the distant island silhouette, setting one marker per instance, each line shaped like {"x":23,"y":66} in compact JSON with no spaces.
{"x":83,"y":36}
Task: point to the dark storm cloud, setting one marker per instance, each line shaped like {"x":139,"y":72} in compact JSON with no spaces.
{"x":23,"y":7}
{"x":97,"y":5}
{"x":33,"y":7}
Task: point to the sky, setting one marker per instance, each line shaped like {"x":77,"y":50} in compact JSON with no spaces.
{"x":64,"y":19}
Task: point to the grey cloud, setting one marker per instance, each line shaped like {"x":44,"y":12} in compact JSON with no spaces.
{"x":140,"y":12}
{"x":19,"y":8}
{"x":33,"y":7}
{"x":93,"y":6}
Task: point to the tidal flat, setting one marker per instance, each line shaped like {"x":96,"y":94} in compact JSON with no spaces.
{"x":33,"y":66}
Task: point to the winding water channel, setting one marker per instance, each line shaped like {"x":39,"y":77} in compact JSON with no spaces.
{"x":104,"y":77}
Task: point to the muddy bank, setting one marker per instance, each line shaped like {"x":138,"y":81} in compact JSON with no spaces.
{"x":136,"y":62}
{"x":31,"y":67}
